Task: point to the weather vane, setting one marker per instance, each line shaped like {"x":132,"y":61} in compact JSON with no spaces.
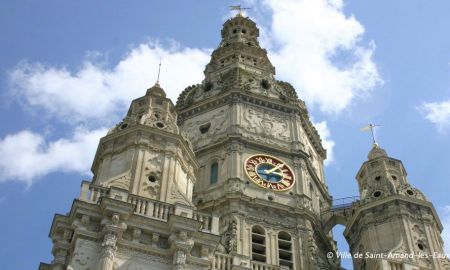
{"x":159,"y":70}
{"x":371,"y":127}
{"x":239,"y":9}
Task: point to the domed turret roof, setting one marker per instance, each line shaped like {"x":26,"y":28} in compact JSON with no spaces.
{"x":156,"y":90}
{"x":376,"y":152}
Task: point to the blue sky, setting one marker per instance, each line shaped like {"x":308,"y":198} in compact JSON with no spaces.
{"x":68,"y":70}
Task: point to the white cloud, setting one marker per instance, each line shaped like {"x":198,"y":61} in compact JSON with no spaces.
{"x":445,"y":219}
{"x":437,"y":113}
{"x":312,"y":43}
{"x":309,"y":41}
{"x":92,"y":95}
{"x":327,"y":142}
{"x":97,"y":93}
{"x":25,"y":156}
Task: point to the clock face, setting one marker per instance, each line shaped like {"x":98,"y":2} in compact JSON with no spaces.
{"x":269,"y":172}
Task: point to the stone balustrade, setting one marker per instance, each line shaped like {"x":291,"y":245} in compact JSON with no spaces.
{"x":264,"y":266}
{"x":151,"y":208}
{"x":225,"y":262}
{"x":92,"y":193}
{"x":222,"y":261}
{"x":205,"y":219}
{"x":148,"y":207}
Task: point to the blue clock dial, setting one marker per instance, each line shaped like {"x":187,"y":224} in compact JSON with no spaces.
{"x":267,"y":173}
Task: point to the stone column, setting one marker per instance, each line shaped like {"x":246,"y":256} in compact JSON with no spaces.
{"x":108,"y":251}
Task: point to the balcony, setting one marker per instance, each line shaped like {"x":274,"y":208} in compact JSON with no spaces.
{"x":147,"y":207}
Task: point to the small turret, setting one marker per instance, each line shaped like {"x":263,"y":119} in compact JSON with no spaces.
{"x":149,"y":137}
{"x":393,"y":226}
{"x":239,"y":29}
{"x":382,"y":176}
{"x":156,"y":90}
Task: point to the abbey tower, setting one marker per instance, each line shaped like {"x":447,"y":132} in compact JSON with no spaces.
{"x":231,"y":178}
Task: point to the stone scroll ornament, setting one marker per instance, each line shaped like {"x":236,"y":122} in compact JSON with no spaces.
{"x":269,"y":172}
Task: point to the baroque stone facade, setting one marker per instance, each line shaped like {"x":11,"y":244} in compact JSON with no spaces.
{"x":231,"y":177}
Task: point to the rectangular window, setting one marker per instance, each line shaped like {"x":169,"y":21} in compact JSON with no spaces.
{"x":285,"y":250}
{"x":214,"y":173}
{"x":258,"y":244}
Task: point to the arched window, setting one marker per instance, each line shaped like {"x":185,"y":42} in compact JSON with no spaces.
{"x":285,"y":250}
{"x":214,"y":173}
{"x":258,"y":244}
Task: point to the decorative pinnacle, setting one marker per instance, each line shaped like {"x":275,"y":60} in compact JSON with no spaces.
{"x":371,"y":127}
{"x":239,"y":9}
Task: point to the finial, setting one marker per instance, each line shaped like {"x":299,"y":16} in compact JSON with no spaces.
{"x":159,"y":71}
{"x":371,"y":127}
{"x":239,"y":9}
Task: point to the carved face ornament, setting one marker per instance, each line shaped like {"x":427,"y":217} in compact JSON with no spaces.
{"x":269,"y":172}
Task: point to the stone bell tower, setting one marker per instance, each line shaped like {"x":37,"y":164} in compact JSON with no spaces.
{"x":231,"y":178}
{"x":260,"y":158}
{"x":393,"y":220}
{"x":137,"y":213}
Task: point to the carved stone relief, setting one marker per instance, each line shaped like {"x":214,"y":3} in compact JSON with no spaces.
{"x":266,"y":126}
{"x":266,"y":122}
{"x":152,"y":172}
{"x":120,"y":182}
{"x":177,"y":197}
{"x":214,"y":123}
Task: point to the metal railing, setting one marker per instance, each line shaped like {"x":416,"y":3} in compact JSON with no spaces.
{"x":344,"y":202}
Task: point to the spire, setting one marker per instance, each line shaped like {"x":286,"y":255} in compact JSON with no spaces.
{"x":156,"y":90}
{"x":159,"y":72}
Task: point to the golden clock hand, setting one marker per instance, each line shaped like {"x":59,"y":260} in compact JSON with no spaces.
{"x":278,"y":173}
{"x":275,"y":168}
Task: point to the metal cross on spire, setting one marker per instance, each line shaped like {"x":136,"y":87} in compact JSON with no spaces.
{"x":159,"y":71}
{"x":371,"y":127}
{"x":239,"y":9}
